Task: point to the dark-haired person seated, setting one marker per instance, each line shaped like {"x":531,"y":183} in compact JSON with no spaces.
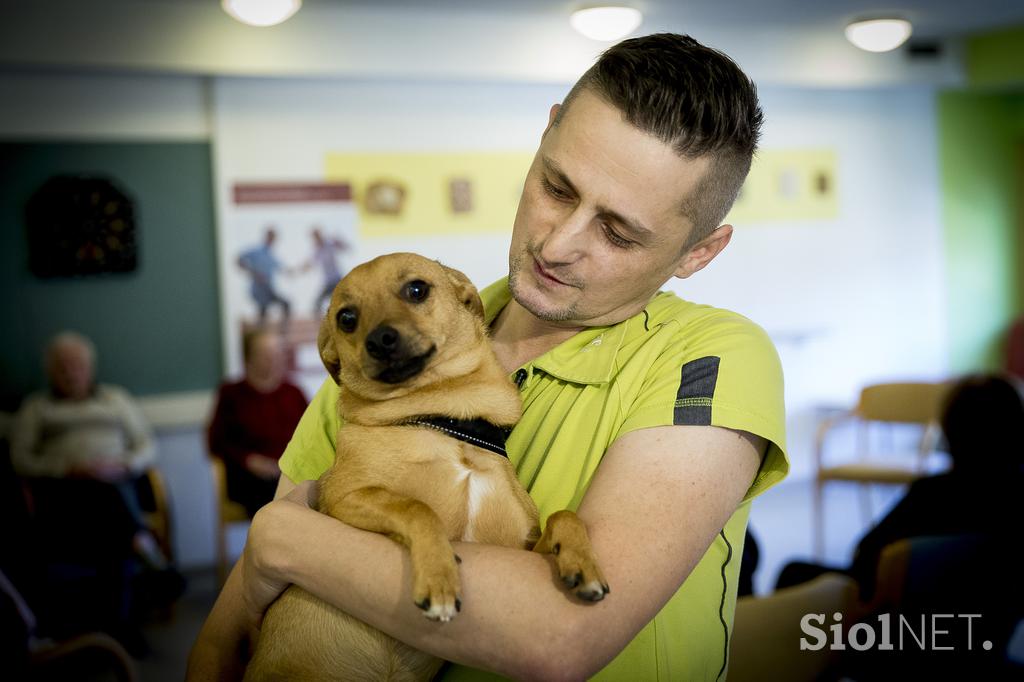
{"x":983,"y":422}
{"x":253,"y":421}
{"x":951,"y":593}
{"x":82,"y":449}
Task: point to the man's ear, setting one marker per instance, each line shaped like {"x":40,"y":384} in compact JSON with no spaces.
{"x":465,"y":291}
{"x":703,"y":252}
{"x":552,"y":115}
{"x":328,"y":353}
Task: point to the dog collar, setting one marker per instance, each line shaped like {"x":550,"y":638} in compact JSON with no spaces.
{"x":478,"y":432}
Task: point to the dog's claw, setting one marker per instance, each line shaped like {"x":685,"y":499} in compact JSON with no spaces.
{"x":593,"y":592}
{"x":458,"y":605}
{"x":424,"y":605}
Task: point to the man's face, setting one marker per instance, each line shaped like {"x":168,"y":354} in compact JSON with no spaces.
{"x":71,"y":371}
{"x":267,"y":363}
{"x":599,"y":228}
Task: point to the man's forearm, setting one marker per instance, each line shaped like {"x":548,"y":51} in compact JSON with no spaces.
{"x":220,"y":651}
{"x":516,"y":619}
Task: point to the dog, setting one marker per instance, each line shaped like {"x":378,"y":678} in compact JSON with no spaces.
{"x":426,"y":406}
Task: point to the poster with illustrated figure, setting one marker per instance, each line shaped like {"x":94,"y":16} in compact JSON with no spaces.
{"x":285,"y":249}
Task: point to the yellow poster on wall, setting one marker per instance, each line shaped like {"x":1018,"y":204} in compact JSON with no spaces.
{"x":788,"y":184}
{"x":401,"y":194}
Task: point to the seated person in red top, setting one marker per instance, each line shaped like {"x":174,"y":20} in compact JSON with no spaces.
{"x":254,"y":420}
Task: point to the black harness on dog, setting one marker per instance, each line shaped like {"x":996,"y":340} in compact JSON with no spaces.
{"x":478,"y":432}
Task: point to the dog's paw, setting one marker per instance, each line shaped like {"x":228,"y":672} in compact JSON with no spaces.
{"x":580,"y":573}
{"x":436,"y":587}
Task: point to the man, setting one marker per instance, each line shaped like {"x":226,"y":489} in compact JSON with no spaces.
{"x":254,"y":420}
{"x":261,"y":264}
{"x":82,"y":448}
{"x":79,"y":429}
{"x":655,"y":419}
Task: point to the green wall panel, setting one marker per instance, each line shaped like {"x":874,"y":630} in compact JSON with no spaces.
{"x":156,"y":328}
{"x":979,"y":146}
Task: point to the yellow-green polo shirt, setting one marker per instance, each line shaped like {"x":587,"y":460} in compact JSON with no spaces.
{"x":674,"y":363}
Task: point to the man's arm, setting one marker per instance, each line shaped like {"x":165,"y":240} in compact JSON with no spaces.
{"x":141,"y":453}
{"x":221,"y":649}
{"x":654,"y":506}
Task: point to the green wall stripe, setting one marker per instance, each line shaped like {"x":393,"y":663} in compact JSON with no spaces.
{"x":979,"y":148}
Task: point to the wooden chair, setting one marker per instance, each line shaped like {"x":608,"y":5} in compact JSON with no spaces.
{"x":159,"y":518}
{"x":891,"y":404}
{"x":227,"y":513}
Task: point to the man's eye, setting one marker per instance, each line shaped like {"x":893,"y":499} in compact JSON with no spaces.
{"x":554,"y":190}
{"x":347,"y":320}
{"x":613,"y":237}
{"x":416,"y":291}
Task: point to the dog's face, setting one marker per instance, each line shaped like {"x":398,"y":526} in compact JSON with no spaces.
{"x":398,"y":322}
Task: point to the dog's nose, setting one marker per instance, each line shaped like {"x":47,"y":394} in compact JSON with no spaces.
{"x":382,"y":342}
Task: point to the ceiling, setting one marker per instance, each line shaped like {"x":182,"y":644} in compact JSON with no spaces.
{"x":785,"y":42}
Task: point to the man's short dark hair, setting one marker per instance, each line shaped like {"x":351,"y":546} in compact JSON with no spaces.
{"x":692,"y":97}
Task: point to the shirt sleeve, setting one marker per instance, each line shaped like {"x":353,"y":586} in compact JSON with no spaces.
{"x":311,"y":450}
{"x":25,"y":455}
{"x":723,"y":371}
{"x":141,"y":452}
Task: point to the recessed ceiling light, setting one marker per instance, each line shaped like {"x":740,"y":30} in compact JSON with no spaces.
{"x":261,"y":12}
{"x":606,"y":23}
{"x":878,"y":35}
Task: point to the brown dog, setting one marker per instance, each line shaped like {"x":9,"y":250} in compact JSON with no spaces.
{"x":423,"y":400}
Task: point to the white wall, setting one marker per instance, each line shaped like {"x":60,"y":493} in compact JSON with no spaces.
{"x":856,"y":299}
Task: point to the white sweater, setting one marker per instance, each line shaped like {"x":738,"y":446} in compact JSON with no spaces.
{"x":49,"y":436}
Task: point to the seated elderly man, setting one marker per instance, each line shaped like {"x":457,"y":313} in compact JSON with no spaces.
{"x":82,"y":448}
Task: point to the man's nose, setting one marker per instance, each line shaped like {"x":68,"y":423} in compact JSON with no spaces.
{"x":567,"y":240}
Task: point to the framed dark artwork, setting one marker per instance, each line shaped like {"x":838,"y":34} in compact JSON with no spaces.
{"x":80,"y":225}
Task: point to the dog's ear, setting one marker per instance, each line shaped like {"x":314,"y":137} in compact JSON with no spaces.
{"x":465,"y":291}
{"x":328,"y":353}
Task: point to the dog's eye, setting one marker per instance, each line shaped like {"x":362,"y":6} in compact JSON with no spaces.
{"x":347,"y":320}
{"x":416,"y":291}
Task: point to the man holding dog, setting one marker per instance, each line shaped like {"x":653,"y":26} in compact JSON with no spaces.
{"x":655,"y":419}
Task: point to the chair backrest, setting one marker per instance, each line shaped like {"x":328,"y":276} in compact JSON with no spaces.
{"x":907,"y":403}
{"x":970,"y":577}
{"x":767,"y":630}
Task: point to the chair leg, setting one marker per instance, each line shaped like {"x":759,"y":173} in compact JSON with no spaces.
{"x":222,"y":552}
{"x":818,"y":520}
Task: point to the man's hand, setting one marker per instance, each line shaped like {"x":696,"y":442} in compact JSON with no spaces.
{"x":262,"y":466}
{"x":262,"y":567}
